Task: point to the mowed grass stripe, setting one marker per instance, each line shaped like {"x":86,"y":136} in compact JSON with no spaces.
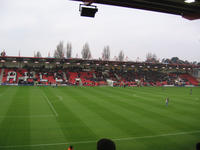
{"x":3,"y":90}
{"x":180,"y":106}
{"x":6,"y":99}
{"x":114,"y":139}
{"x":112,"y":113}
{"x":184,"y":111}
{"x":190,"y":107}
{"x":153,"y":106}
{"x":91,"y":93}
{"x":182,"y":92}
{"x":170,"y":140}
{"x":44,"y":126}
{"x":183,"y":99}
{"x":115,"y":120}
{"x":159,"y":101}
{"x":16,"y":131}
{"x":72,"y":126}
{"x":146,"y":110}
{"x":157,"y":123}
{"x":186,"y":142}
{"x":164,"y":95}
{"x":97,"y":123}
{"x":137,"y":112}
{"x":162,"y":107}
{"x":39,"y":106}
{"x":175,"y":109}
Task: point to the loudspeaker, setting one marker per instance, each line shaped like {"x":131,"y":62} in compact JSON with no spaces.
{"x":88,"y":11}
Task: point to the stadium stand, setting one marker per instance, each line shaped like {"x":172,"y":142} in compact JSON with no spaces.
{"x":35,"y":71}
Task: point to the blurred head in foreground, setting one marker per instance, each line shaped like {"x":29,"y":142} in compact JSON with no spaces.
{"x":198,"y":146}
{"x":105,"y":144}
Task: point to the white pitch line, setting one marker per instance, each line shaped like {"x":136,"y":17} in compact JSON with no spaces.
{"x":114,"y":139}
{"x":53,"y":109}
{"x":32,"y":116}
{"x":154,"y":136}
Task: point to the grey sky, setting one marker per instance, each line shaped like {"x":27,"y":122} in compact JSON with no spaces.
{"x":39,"y":25}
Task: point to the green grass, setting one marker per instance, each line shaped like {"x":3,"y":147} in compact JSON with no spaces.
{"x":41,"y":118}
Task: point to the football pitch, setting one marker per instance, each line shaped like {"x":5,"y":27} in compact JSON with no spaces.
{"x":136,"y":118}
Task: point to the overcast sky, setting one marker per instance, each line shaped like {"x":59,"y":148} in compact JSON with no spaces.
{"x":39,"y":25}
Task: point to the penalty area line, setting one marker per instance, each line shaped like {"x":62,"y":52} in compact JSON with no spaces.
{"x":53,"y":109}
{"x":114,"y":139}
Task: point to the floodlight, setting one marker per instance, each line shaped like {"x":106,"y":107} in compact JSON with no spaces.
{"x":87,"y":11}
{"x":189,"y":1}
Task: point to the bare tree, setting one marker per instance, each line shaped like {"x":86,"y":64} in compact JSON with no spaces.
{"x":194,"y":62}
{"x":175,"y":60}
{"x":151,"y":58}
{"x":3,"y":53}
{"x":86,"y":54}
{"x":121,"y":56}
{"x":59,"y":52}
{"x":38,"y":54}
{"x":106,"y":53}
{"x":69,"y":50}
